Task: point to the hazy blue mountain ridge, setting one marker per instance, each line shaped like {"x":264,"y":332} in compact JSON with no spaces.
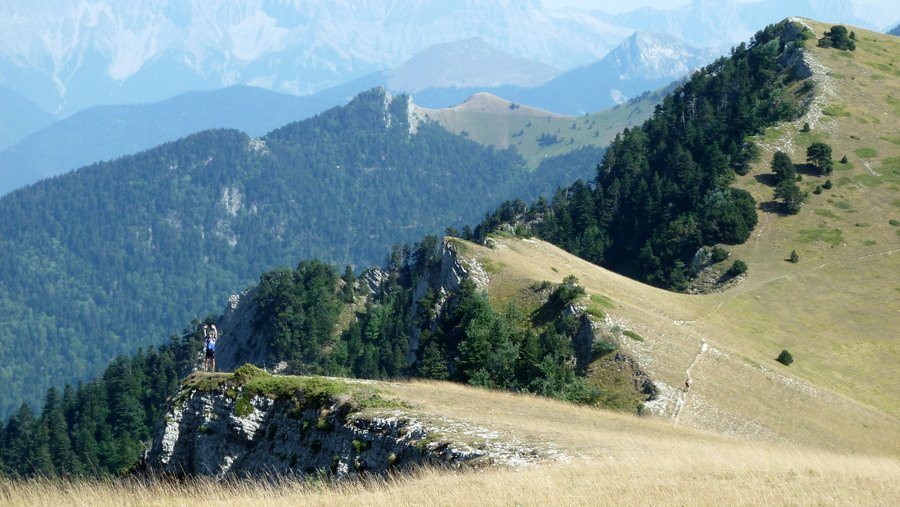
{"x":641,"y":62}
{"x":20,"y":117}
{"x":107,"y":132}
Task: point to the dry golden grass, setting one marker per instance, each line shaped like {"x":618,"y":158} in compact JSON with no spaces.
{"x":613,"y":459}
{"x":736,"y":391}
{"x":837,"y":310}
{"x":751,"y":477}
{"x":750,"y":431}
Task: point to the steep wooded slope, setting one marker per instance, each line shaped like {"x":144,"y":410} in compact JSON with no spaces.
{"x":116,"y":255}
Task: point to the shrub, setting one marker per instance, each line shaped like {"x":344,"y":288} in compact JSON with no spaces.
{"x":718,"y":254}
{"x":844,"y":159}
{"x":817,"y":190}
{"x":360,"y":446}
{"x":838,"y":38}
{"x":634,"y":336}
{"x":568,"y":291}
{"x":602,"y":347}
{"x":794,"y":258}
{"x":243,"y":407}
{"x":785,"y":358}
{"x":248,"y":372}
{"x":805,"y":127}
{"x":738,"y":268}
{"x":827,"y":185}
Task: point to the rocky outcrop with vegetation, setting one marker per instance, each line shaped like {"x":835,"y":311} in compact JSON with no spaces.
{"x":253,"y":423}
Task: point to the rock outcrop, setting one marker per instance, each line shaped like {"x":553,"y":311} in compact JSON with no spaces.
{"x":219,"y":426}
{"x":445,"y":281}
{"x":241,"y":341}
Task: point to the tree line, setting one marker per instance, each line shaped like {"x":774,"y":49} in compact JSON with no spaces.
{"x":662,"y":190}
{"x":103,"y":426}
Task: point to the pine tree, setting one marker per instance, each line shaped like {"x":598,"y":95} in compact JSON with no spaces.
{"x":819,"y":155}
{"x":39,"y":460}
{"x":434,"y":363}
{"x":791,"y":196}
{"x":794,"y":258}
{"x":838,"y":38}
{"x":3,"y":469}
{"x":783,"y":167}
{"x":785,"y":358}
{"x":347,"y":290}
{"x":17,"y":440}
{"x":59,"y":445}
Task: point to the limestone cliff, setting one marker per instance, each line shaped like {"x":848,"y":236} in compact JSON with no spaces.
{"x":444,"y":280}
{"x":253,"y":423}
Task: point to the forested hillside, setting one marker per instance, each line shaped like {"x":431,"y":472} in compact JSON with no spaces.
{"x":663,"y":189}
{"x":319,"y":322}
{"x":114,"y":256}
{"x":663,"y":186}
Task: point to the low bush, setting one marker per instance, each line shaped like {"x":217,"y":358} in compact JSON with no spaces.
{"x":738,"y":268}
{"x":785,"y":358}
{"x":718,"y":254}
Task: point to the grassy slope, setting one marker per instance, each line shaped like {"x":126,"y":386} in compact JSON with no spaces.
{"x":749,"y":431}
{"x":836,"y":310}
{"x":489,"y":120}
{"x":608,"y":459}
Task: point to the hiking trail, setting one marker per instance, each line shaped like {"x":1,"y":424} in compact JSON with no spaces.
{"x":683,"y":392}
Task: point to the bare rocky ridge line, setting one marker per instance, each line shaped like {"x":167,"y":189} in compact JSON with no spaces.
{"x":204,"y":435}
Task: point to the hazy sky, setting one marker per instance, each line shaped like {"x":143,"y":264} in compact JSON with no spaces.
{"x":614,"y":6}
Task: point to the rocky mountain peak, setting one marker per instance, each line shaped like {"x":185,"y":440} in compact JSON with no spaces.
{"x":650,"y":55}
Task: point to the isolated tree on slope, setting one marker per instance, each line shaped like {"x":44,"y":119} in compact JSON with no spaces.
{"x":819,"y":155}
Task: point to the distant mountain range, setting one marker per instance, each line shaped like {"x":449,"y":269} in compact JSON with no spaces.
{"x":70,"y":54}
{"x":723,"y":22}
{"x":640,"y":63}
{"x":67,"y":55}
{"x":108,"y":132}
{"x":20,"y":115}
{"x":441,"y":76}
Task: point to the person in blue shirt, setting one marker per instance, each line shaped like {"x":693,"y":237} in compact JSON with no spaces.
{"x":211,"y":335}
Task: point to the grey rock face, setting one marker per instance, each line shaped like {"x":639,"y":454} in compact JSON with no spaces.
{"x":582,"y":343}
{"x":446,"y":281}
{"x":373,"y":278}
{"x":206,"y":434}
{"x":240,"y":342}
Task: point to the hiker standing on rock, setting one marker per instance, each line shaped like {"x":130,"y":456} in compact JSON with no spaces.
{"x":211,"y":335}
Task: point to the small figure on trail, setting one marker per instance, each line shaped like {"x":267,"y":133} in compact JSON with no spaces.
{"x":211,"y":335}
{"x":687,"y":384}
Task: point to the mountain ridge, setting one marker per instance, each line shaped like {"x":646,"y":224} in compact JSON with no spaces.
{"x":639,"y":63}
{"x":55,"y":51}
{"x":21,"y":117}
{"x":225,"y":207}
{"x":766,"y":428}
